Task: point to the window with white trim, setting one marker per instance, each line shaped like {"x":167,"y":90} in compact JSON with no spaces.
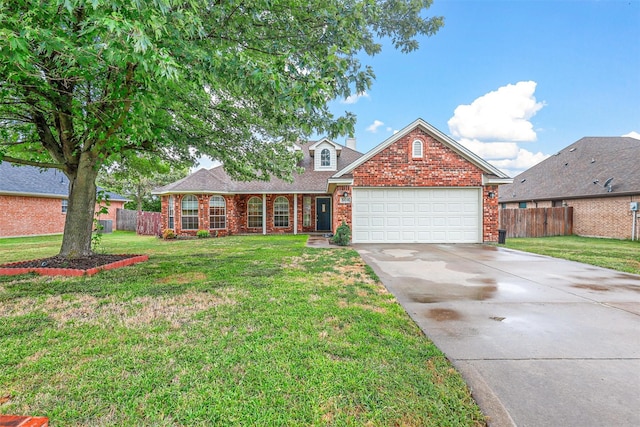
{"x":325,"y":157}
{"x":281,"y":212}
{"x":306,"y":211}
{"x":254,"y":212}
{"x":416,"y":151}
{"x":171,"y":212}
{"x":217,"y":213}
{"x":189,"y":213}
{"x":65,"y":205}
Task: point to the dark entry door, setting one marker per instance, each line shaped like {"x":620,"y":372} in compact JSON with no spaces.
{"x":323,"y":214}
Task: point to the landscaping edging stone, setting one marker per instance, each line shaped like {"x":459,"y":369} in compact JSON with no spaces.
{"x":8,"y":270}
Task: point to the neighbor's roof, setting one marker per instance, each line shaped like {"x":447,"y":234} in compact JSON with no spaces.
{"x":21,"y":180}
{"x":216,"y":180}
{"x":494,"y":173}
{"x":580,"y":170}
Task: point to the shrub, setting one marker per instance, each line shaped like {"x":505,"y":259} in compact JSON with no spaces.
{"x":168,"y":234}
{"x":343,"y":235}
{"x":203,"y":234}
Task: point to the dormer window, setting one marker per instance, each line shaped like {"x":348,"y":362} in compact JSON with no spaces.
{"x":325,"y":157}
{"x":416,"y":151}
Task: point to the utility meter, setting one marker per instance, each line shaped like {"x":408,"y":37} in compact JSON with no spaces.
{"x":633,"y":206}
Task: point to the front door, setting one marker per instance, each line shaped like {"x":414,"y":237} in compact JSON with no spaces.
{"x":323,"y":214}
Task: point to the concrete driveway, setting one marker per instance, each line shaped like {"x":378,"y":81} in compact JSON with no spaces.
{"x":540,"y":341}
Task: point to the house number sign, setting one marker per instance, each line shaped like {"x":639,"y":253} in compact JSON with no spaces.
{"x":345,"y":200}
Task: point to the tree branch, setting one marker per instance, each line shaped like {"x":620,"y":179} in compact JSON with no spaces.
{"x":33,"y":163}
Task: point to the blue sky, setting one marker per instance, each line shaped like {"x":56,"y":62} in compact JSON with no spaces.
{"x":514,"y":81}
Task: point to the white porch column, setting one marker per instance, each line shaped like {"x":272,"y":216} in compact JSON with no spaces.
{"x":295,"y":213}
{"x":264,"y":214}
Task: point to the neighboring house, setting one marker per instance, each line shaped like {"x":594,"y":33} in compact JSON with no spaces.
{"x":33,"y":201}
{"x":417,"y":186}
{"x":598,"y":176}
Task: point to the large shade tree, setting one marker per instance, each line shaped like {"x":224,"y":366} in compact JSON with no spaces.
{"x":82,"y":80}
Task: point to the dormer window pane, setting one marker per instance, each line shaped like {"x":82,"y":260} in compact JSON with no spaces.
{"x":325,"y":157}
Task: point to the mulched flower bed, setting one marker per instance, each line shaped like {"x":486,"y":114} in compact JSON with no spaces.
{"x":60,"y":266}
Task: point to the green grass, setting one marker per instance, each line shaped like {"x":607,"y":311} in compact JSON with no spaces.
{"x":621,"y":255}
{"x":247,"y":330}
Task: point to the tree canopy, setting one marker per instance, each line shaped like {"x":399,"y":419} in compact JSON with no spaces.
{"x":84,"y":80}
{"x":134,"y":176}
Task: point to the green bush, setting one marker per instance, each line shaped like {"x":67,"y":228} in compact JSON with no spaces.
{"x":203,"y":234}
{"x":343,"y":235}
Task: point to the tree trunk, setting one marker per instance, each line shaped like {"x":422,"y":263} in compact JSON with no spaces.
{"x":78,"y":225}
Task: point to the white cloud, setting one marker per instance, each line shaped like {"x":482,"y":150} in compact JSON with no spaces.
{"x":493,"y":125}
{"x":491,"y":150}
{"x":521,"y":162}
{"x":501,"y":115}
{"x":373,"y":128}
{"x":352,"y":99}
{"x":633,"y":134}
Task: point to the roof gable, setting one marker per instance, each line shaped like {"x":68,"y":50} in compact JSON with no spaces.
{"x":580,"y":170}
{"x":324,"y":141}
{"x":439,"y":136}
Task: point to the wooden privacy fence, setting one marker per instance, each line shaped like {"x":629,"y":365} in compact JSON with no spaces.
{"x":537,"y":222}
{"x":126,"y":220}
{"x":149,"y":223}
{"x":144,"y":223}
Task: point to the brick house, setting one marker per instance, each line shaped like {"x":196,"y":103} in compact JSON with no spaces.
{"x":33,"y":201}
{"x":417,"y":186}
{"x":598,"y":176}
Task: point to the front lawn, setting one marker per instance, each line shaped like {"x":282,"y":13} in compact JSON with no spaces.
{"x":621,"y":255}
{"x":247,"y":330}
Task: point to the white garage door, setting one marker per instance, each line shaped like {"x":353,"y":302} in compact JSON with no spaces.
{"x":416,"y":215}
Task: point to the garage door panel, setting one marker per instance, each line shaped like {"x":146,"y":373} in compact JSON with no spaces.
{"x":421,"y":215}
{"x":409,"y":221}
{"x":377,"y":207}
{"x":393,"y":221}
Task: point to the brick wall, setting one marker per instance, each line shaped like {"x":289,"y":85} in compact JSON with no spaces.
{"x":32,"y":216}
{"x":341,"y":211}
{"x":603,"y":216}
{"x":439,"y":166}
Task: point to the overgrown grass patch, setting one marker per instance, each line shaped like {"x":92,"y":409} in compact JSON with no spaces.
{"x":246,"y":330}
{"x":621,"y":255}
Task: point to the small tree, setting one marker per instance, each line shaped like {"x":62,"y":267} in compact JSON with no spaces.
{"x":343,"y":235}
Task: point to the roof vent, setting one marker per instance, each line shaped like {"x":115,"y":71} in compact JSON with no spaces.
{"x":596,"y":181}
{"x":593,"y":160}
{"x":523,"y":180}
{"x":572,"y":150}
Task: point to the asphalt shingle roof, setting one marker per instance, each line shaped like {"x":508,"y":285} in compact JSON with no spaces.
{"x":32,"y":181}
{"x":217,"y":180}
{"x":580,"y":170}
